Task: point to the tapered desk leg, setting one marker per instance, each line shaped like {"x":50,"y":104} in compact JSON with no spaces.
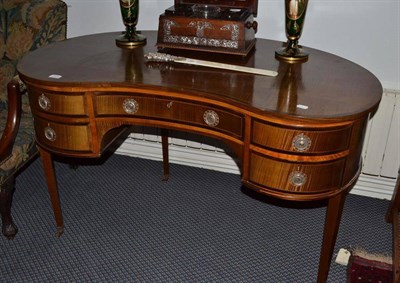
{"x":165,"y":153}
{"x":48,"y":165}
{"x":332,"y":221}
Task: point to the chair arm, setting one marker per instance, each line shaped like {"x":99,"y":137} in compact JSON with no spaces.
{"x":13,"y":118}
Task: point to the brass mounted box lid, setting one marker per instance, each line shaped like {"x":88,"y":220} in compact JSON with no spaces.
{"x":224,"y":26}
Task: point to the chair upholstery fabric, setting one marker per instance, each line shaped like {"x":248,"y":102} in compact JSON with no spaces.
{"x":25,"y":25}
{"x":23,"y":148}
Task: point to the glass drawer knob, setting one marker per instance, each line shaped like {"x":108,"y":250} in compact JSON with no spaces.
{"x":211,"y":118}
{"x":301,"y":142}
{"x":297,"y":178}
{"x":44,"y":102}
{"x":50,"y":134}
{"x":130,"y":106}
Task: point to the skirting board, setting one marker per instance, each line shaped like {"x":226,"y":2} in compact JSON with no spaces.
{"x":370,"y":186}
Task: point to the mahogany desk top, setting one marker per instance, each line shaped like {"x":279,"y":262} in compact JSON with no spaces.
{"x":330,"y":86}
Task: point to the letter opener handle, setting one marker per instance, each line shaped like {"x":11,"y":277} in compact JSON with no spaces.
{"x":162,"y":57}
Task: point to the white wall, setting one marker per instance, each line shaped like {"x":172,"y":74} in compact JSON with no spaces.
{"x":363,"y":31}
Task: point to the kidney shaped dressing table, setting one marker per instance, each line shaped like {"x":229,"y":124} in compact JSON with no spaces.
{"x":298,"y":136}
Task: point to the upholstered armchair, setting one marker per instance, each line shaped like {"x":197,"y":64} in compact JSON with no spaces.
{"x":25,"y":25}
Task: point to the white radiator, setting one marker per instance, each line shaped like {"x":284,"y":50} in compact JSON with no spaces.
{"x":381,"y":151}
{"x":382,"y":141}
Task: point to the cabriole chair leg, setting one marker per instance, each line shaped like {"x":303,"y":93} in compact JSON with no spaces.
{"x":9,"y":229}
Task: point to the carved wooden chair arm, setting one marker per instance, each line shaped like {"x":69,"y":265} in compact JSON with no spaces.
{"x":14,"y":96}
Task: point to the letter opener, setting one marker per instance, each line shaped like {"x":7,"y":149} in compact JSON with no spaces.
{"x":162,"y":57}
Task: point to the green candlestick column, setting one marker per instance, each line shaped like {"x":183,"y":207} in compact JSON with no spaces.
{"x":130,"y":13}
{"x":295,"y":13}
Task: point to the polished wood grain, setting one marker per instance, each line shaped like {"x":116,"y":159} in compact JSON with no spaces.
{"x":297,"y":136}
{"x":168,"y":109}
{"x":183,"y":27}
{"x":321,"y":141}
{"x":319,"y":177}
{"x":59,"y":103}
{"x":68,"y":137}
{"x":332,"y":88}
{"x":13,"y":119}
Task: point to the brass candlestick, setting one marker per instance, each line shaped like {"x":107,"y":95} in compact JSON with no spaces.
{"x":295,"y":13}
{"x":130,"y":13}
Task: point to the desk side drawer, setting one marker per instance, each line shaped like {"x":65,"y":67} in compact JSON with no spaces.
{"x":298,"y":140}
{"x":62,"y":103}
{"x":61,"y":136}
{"x":295,"y":177}
{"x":171,"y":110}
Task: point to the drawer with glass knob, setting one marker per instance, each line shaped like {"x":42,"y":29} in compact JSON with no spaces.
{"x":296,"y":140}
{"x":56,"y":135}
{"x":53,"y":102}
{"x":305,"y":177}
{"x":174,"y":110}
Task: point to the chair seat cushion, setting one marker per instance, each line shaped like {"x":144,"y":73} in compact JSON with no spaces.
{"x":23,"y":149}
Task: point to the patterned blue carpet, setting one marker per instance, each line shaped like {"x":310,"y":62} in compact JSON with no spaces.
{"x":125,"y":225}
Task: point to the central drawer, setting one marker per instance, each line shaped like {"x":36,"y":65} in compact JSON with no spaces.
{"x":188,"y":112}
